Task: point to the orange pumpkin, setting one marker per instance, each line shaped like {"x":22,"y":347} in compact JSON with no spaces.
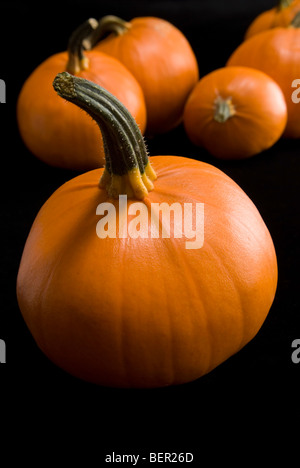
{"x":235,"y":112}
{"x":141,"y":307}
{"x":277,"y":53}
{"x":61,"y":134}
{"x":161,"y":59}
{"x":279,"y":16}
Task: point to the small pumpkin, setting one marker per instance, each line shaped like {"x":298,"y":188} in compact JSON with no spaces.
{"x":160,"y":57}
{"x":136,"y":307}
{"x":279,"y":16}
{"x":277,"y":53}
{"x":235,"y":112}
{"x":61,"y":134}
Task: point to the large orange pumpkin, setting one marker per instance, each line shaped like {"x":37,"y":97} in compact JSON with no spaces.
{"x":142,"y":306}
{"x":279,"y":16}
{"x":277,"y":53}
{"x":235,"y":112}
{"x":160,"y":57}
{"x":61,"y":134}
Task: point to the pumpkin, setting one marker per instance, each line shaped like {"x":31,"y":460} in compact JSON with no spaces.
{"x":235,"y":112}
{"x":277,"y":53}
{"x":280,"y":15}
{"x":160,"y":57}
{"x":111,"y":289}
{"x":61,"y":134}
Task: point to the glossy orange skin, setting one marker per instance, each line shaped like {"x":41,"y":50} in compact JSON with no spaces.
{"x":273,"y":18}
{"x":163,"y":62}
{"x":59,"y":133}
{"x":260,"y":113}
{"x":147,"y":312}
{"x":277,"y":53}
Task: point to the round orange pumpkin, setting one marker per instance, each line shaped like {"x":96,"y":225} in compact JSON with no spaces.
{"x":161,"y":59}
{"x":279,"y":16}
{"x":61,"y":134}
{"x":277,"y":53}
{"x":141,"y":307}
{"x":235,"y":112}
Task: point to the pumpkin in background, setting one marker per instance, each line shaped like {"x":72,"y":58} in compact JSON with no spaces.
{"x":235,"y":112}
{"x":142,"y":309}
{"x":160,"y":57}
{"x":279,"y":16}
{"x":277,"y":53}
{"x":61,"y":134}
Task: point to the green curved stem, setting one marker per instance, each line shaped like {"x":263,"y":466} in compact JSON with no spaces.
{"x":296,"y":21}
{"x":107,"y":25}
{"x":78,"y":42}
{"x":127,"y":166}
{"x":282,"y":4}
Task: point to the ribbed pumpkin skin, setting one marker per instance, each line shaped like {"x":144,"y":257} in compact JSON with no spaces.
{"x":277,"y":53}
{"x":273,"y":18}
{"x":147,"y":312}
{"x":58,"y":132}
{"x":163,"y":62}
{"x":259,"y":113}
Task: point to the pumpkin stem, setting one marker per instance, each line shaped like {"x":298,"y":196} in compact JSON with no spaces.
{"x":106,"y":25}
{"x":80,"y":40}
{"x":224,"y":109}
{"x":127,"y":167}
{"x":296,"y":21}
{"x":282,"y":4}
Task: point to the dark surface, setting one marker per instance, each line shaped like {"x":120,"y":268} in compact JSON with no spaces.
{"x":259,"y":385}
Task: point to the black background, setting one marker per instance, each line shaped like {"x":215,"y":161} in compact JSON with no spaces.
{"x":238,"y":405}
